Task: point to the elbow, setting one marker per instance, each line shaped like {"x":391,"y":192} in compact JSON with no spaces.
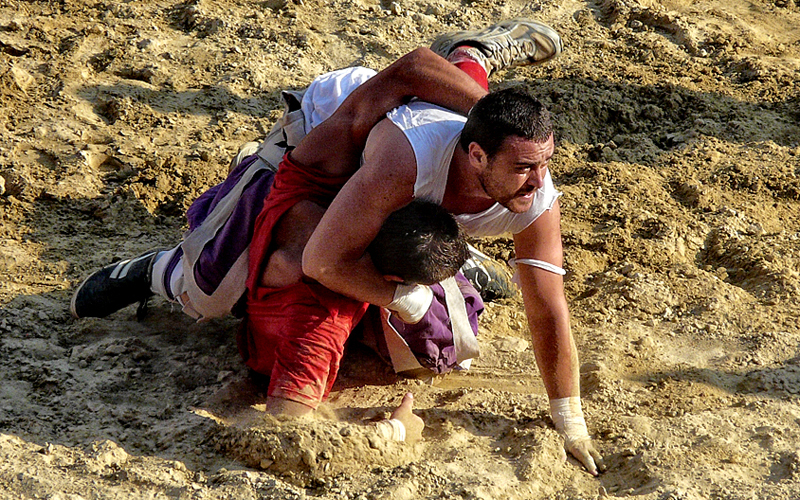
{"x":408,"y":67}
{"x":312,"y":266}
{"x":417,"y":56}
{"x":422,"y":54}
{"x":318,"y":266}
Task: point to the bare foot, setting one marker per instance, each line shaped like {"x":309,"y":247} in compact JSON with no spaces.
{"x":413,"y":423}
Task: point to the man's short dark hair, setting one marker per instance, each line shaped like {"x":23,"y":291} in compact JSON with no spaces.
{"x":420,"y":243}
{"x":502,"y":114}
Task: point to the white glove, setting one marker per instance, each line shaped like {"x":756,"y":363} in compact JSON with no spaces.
{"x":411,"y":302}
{"x":392,"y":429}
{"x":567,"y":415}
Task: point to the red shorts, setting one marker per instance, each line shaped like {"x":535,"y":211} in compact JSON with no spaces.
{"x":295,"y":334}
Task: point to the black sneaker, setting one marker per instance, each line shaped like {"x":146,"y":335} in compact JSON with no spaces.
{"x":115,"y":286}
{"x":487,"y":276}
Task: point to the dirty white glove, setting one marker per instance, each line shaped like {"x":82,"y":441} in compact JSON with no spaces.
{"x":567,"y":415}
{"x":411,"y":302}
{"x":391,"y":429}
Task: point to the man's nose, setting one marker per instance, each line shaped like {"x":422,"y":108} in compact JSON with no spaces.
{"x":536,"y":178}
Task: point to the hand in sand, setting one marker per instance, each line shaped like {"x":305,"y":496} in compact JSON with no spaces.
{"x":413,"y":423}
{"x":587,"y":454}
{"x":567,"y":415}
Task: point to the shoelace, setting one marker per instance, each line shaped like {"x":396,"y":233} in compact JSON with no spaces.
{"x":509,"y":51}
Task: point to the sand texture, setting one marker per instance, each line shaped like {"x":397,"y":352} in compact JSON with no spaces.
{"x":678,"y":155}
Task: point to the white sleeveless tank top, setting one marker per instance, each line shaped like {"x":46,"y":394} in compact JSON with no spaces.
{"x":433,"y":133}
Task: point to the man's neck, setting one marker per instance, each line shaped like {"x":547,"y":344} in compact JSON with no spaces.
{"x":464,"y":193}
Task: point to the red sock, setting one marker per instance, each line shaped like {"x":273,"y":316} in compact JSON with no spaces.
{"x":463,"y":59}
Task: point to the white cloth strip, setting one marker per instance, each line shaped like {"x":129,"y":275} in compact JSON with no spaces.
{"x":540,"y":264}
{"x":392,"y":429}
{"x":402,"y":357}
{"x":158,"y":278}
{"x":463,"y":337}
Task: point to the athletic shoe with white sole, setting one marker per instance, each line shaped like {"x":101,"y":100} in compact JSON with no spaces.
{"x":245,"y":150}
{"x":115,"y":286}
{"x":507,"y":44}
{"x":487,"y":276}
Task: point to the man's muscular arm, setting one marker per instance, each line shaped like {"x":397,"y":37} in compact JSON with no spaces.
{"x":553,"y":344}
{"x":335,"y":146}
{"x":336,"y":253}
{"x":546,"y":305}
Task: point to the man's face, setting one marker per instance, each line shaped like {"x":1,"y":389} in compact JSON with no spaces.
{"x":512,"y":176}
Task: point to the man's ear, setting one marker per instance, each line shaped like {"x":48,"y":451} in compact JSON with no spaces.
{"x":393,"y":278}
{"x":477,"y":156}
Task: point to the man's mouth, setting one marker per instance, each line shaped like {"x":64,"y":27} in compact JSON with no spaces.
{"x":526,"y":194}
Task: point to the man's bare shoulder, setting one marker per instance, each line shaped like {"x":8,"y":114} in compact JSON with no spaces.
{"x":388,"y":150}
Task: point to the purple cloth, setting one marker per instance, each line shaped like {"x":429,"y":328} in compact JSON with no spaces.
{"x":235,"y":235}
{"x":431,"y":340}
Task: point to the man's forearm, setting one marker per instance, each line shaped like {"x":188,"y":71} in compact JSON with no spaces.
{"x":357,"y":279}
{"x":420,"y":73}
{"x":555,"y":351}
{"x":431,"y":78}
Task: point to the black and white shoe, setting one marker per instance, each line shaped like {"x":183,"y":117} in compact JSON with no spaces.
{"x":115,"y":286}
{"x":487,"y":276}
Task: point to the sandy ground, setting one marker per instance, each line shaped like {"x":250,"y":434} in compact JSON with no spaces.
{"x":678,"y":155}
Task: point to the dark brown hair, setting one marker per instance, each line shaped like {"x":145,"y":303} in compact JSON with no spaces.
{"x":420,"y":243}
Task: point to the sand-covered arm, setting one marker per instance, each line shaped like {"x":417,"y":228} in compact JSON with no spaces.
{"x":553,"y":343}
